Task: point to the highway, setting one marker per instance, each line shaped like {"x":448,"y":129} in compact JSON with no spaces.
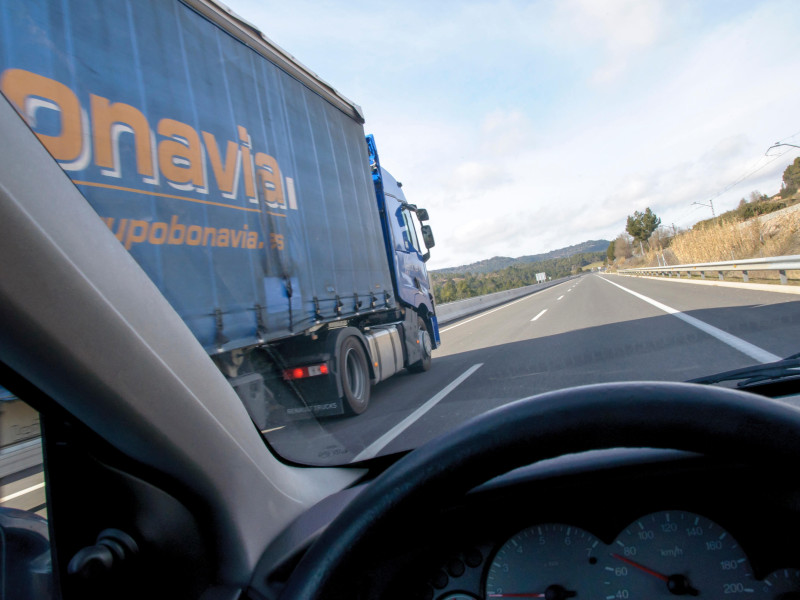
{"x":596,"y":328}
{"x":22,"y":477}
{"x":586,"y":330}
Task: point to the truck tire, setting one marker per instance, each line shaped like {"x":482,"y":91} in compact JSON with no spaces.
{"x":354,"y":374}
{"x":424,"y":340}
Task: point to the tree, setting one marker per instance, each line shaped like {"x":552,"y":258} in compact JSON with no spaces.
{"x":791,"y":178}
{"x":660,"y":238}
{"x":622,"y":247}
{"x":641,"y":225}
{"x":610,"y":252}
{"x":448,"y":291}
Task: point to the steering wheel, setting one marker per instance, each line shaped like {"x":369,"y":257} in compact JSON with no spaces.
{"x":681,"y":416}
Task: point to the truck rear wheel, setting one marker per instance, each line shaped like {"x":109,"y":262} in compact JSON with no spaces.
{"x":424,"y":340}
{"x":354,"y":374}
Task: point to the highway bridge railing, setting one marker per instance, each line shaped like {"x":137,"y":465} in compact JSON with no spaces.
{"x":781,"y":264}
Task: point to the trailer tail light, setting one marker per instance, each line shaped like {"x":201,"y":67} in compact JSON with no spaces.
{"x":303,"y":372}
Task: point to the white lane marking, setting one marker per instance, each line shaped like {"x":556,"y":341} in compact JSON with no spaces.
{"x":273,"y":429}
{"x":560,"y":297}
{"x":488,"y":312}
{"x":539,"y":315}
{"x":33,"y":488}
{"x":379,"y":444}
{"x":739,"y":344}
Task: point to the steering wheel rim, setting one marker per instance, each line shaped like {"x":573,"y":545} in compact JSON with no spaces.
{"x":681,"y":416}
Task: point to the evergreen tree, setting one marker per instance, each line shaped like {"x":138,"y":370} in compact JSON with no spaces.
{"x":641,"y":225}
{"x":791,"y":178}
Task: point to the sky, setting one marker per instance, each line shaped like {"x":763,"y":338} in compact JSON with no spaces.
{"x":524,"y":127}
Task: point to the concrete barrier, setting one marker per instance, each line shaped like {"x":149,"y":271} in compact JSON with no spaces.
{"x":453,"y":311}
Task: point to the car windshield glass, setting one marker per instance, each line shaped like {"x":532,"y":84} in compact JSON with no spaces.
{"x":613,"y":189}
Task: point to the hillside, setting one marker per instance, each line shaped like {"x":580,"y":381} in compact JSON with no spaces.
{"x":499,"y":263}
{"x":450,"y":285}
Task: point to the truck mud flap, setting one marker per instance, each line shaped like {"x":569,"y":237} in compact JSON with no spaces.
{"x":271,"y":401}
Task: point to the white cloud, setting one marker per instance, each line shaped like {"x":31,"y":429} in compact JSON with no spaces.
{"x":621,"y":29}
{"x":527,"y":126}
{"x":504,"y":132}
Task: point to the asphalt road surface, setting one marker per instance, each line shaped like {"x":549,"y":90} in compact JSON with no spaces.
{"x":597,"y":328}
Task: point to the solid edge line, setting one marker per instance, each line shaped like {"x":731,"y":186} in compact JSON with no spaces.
{"x":488,"y":312}
{"x":33,"y":488}
{"x":539,"y":315}
{"x":383,"y":441}
{"x":737,"y":285}
{"x":731,"y":340}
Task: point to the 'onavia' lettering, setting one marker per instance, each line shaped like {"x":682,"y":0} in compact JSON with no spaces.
{"x":135,"y":231}
{"x":175,"y":151}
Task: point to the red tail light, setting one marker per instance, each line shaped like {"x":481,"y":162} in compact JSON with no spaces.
{"x":303,"y":372}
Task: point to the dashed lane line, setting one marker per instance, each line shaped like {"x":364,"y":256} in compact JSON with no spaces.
{"x":488,"y":312}
{"x":383,"y":441}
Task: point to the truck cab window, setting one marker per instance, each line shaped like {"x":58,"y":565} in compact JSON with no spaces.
{"x":412,"y":231}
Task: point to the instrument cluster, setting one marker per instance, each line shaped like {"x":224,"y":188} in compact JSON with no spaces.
{"x":680,"y":532}
{"x":659,"y":555}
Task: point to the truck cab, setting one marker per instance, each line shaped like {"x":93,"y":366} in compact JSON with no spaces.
{"x":404,"y":244}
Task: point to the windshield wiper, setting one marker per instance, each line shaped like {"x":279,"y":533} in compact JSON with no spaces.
{"x":774,"y":371}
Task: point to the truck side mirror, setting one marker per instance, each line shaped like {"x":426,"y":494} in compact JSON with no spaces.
{"x":427,"y":236}
{"x":422,"y":214}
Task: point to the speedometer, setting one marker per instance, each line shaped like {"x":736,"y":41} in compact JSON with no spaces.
{"x":550,"y":561}
{"x":676,"y":553}
{"x":783,"y":584}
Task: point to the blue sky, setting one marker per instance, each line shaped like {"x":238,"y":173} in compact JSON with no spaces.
{"x":527,"y":126}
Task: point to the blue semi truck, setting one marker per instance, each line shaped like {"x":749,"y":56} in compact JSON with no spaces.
{"x":243,"y":185}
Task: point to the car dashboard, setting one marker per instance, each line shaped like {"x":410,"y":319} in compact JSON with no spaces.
{"x":687,"y":526}
{"x":621,"y":524}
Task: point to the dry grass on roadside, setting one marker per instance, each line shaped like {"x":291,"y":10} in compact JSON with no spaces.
{"x":732,"y":241}
{"x":736,"y":241}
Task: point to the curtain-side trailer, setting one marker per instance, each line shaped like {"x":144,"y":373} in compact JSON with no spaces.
{"x":242,"y":184}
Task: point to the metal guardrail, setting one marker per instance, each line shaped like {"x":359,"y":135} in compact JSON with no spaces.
{"x":770,"y":263}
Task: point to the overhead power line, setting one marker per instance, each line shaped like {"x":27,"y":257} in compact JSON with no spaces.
{"x":773,"y":158}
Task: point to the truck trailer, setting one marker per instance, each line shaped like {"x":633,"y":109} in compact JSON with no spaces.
{"x":244,"y":186}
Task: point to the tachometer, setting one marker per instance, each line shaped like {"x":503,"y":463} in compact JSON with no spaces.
{"x":676,"y":553}
{"x":550,"y":561}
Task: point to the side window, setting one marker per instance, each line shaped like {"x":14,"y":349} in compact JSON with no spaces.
{"x":412,"y":231}
{"x":25,"y":560}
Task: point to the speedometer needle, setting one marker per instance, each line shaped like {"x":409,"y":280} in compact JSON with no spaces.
{"x":516,"y":595}
{"x":677,"y":584}
{"x":553,"y":592}
{"x":640,"y":567}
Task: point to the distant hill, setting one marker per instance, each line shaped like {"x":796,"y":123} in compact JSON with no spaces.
{"x":498,"y":263}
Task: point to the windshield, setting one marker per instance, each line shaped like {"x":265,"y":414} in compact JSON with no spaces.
{"x":553,"y":148}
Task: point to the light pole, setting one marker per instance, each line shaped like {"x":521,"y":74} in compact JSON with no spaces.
{"x":776,"y":144}
{"x":710,"y":204}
